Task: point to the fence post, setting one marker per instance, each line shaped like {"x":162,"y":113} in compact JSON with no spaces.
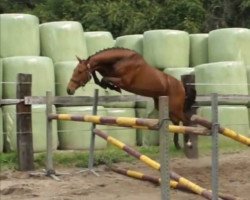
{"x":24,"y":124}
{"x":215,"y":148}
{"x":164,"y":147}
{"x":49,"y":157}
{"x":190,"y":109}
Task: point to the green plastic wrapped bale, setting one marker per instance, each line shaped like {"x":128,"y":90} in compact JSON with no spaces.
{"x":41,"y":69}
{"x":38,"y":128}
{"x":1,"y":131}
{"x":221,"y":78}
{"x":129,"y":104}
{"x":166,"y":48}
{"x":198,"y":49}
{"x":229,"y":44}
{"x":178,"y":72}
{"x":76,"y":135}
{"x":133,"y":42}
{"x":1,"y":78}
{"x":63,"y":73}
{"x":63,"y":41}
{"x":98,"y":40}
{"x":19,"y":35}
{"x":232,"y":117}
{"x":126,"y":135}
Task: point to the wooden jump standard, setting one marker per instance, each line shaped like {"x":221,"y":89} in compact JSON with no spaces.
{"x":224,"y":131}
{"x":155,"y":165}
{"x":151,"y":124}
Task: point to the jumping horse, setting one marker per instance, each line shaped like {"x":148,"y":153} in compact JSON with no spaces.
{"x":126,"y":69}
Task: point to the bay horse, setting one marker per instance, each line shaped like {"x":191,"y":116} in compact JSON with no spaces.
{"x":126,"y":69}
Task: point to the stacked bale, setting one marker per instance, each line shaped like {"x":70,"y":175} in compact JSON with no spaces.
{"x":133,"y":42}
{"x":167,"y":50}
{"x":35,"y":66}
{"x":63,"y":41}
{"x":76,"y":135}
{"x":198,"y":49}
{"x":19,"y":35}
{"x":98,"y":40}
{"x":126,"y":135}
{"x":226,"y":74}
{"x":20,"y":50}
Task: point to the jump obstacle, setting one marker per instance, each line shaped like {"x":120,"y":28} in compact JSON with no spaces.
{"x":153,"y":124}
{"x":178,"y":180}
{"x":157,"y":180}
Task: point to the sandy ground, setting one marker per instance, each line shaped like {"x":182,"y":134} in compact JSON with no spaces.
{"x":234,"y":179}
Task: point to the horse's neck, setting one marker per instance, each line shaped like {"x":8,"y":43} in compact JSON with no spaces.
{"x":106,"y":59}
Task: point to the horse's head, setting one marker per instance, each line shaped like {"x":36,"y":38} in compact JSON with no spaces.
{"x":81,"y":75}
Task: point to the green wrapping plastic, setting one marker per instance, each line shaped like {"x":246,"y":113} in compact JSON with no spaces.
{"x":19,"y":35}
{"x":63,"y":73}
{"x":63,"y":41}
{"x":38,"y":128}
{"x":129,"y":104}
{"x":178,"y":72}
{"x":41,"y":69}
{"x":98,"y":40}
{"x":198,"y":49}
{"x":1,"y":77}
{"x":76,"y":135}
{"x":221,"y":78}
{"x":232,"y":117}
{"x":126,"y":135}
{"x":133,"y":42}
{"x":229,"y":44}
{"x":1,"y":131}
{"x":166,"y":48}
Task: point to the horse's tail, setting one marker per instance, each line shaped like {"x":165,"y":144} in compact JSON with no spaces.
{"x":190,"y":92}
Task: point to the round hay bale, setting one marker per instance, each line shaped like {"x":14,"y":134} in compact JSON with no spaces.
{"x":1,"y":131}
{"x":126,"y":135}
{"x":178,"y":72}
{"x":198,"y":49}
{"x":63,"y":73}
{"x":229,"y":116}
{"x":19,"y":35}
{"x":41,"y":69}
{"x":221,"y":78}
{"x":76,"y":135}
{"x":133,"y":42}
{"x":229,"y":44}
{"x":98,"y":40}
{"x":38,"y":128}
{"x":63,"y":41}
{"x":166,"y":48}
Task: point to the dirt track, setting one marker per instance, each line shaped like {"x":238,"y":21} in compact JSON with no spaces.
{"x":234,"y":179}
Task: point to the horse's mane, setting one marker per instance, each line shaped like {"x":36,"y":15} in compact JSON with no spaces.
{"x":110,"y":49}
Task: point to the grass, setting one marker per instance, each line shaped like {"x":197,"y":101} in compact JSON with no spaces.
{"x":114,"y":155}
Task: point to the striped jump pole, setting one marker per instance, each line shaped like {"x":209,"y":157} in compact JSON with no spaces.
{"x":224,"y":131}
{"x":157,"y":180}
{"x":181,"y":180}
{"x":144,"y":177}
{"x":140,"y":123}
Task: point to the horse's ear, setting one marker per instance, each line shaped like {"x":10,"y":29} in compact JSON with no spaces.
{"x":79,"y":59}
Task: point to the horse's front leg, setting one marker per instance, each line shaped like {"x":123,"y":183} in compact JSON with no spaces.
{"x":112,"y":83}
{"x":98,"y":82}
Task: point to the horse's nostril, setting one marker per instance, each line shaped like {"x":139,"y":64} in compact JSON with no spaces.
{"x":70,"y":92}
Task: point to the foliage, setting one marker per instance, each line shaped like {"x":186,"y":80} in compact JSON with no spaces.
{"x":122,"y":17}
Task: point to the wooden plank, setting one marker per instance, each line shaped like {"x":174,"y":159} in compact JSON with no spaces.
{"x":83,"y":100}
{"x":24,"y":129}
